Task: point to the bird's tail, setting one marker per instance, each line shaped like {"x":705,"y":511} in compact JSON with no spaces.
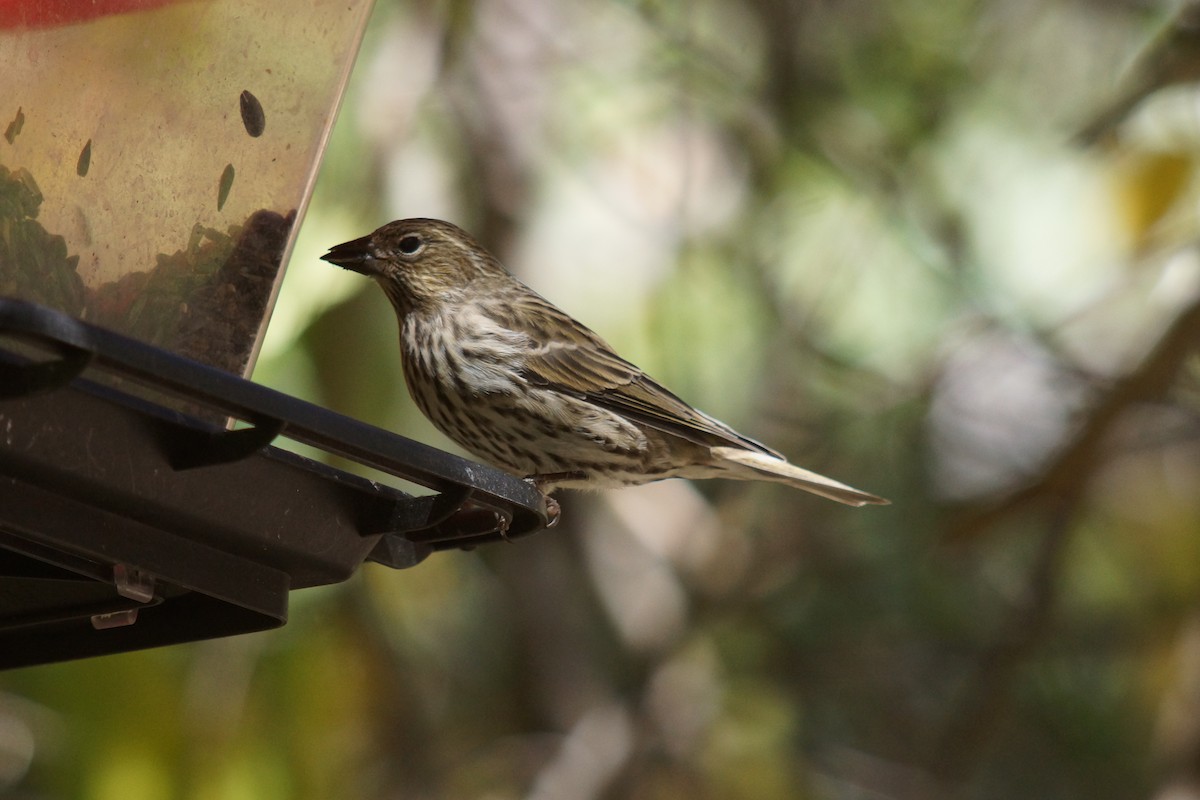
{"x":770,"y":468}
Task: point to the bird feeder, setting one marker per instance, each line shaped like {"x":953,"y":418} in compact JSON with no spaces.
{"x":156,"y":159}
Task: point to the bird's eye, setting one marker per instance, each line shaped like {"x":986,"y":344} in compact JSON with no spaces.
{"x":410,"y":244}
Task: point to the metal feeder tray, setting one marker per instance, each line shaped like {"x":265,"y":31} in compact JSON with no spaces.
{"x":126,"y":523}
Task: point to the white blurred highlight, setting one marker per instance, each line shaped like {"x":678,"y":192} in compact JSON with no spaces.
{"x":589,"y":757}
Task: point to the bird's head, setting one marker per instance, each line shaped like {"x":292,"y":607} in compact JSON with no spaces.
{"x":417,"y":261}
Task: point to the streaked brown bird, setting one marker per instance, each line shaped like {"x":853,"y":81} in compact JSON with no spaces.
{"x":527,"y":388}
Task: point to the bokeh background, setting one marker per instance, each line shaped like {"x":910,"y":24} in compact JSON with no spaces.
{"x":946,"y":252}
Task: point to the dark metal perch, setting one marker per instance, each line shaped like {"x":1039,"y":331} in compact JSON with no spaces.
{"x":130,"y":518}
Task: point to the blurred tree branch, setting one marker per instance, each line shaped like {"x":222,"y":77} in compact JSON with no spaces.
{"x":987,"y":695}
{"x":1056,"y":497}
{"x":1068,"y":473}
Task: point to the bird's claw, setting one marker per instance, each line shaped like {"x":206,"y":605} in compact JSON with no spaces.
{"x":503,"y":523}
{"x":553,"y":509}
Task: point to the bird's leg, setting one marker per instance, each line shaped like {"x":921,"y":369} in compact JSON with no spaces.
{"x":540,"y":482}
{"x":550,"y":478}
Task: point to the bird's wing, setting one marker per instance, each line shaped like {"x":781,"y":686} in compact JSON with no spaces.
{"x":570,"y":358}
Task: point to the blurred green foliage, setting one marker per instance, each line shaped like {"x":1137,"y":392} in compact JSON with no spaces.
{"x":862,"y":232}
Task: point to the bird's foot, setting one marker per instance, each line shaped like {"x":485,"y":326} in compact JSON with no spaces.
{"x":540,"y":482}
{"x":553,"y":511}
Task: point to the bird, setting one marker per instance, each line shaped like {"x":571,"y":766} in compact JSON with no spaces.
{"x":525,"y":387}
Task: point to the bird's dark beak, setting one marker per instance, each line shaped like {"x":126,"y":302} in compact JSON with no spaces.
{"x":358,"y":255}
